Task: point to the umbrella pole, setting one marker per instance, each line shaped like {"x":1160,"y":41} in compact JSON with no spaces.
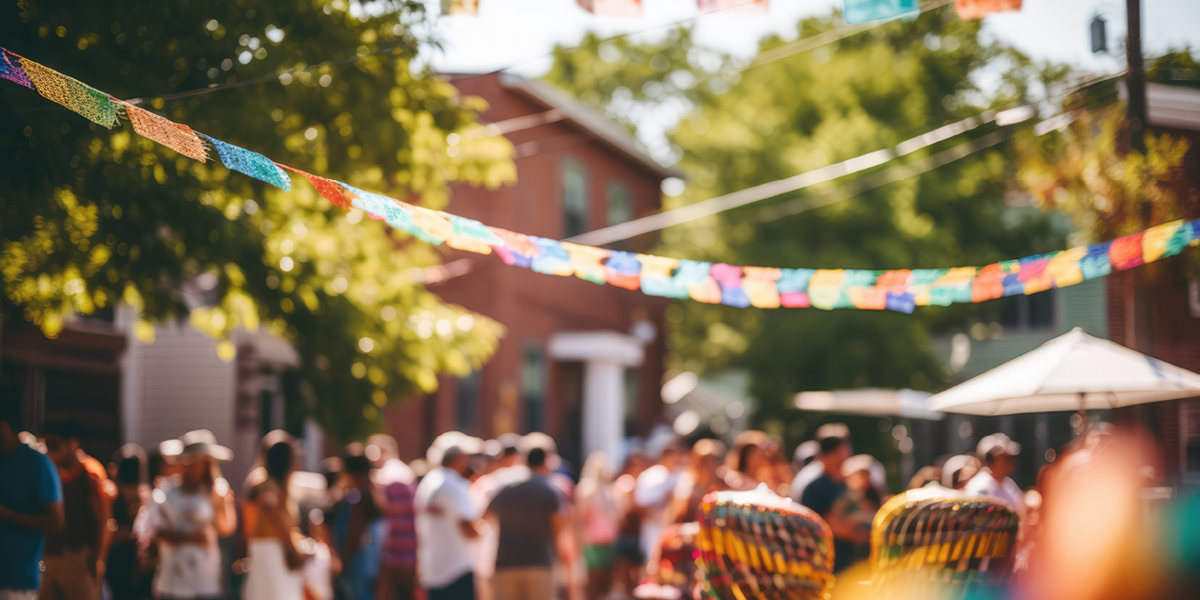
{"x":1083,"y":415}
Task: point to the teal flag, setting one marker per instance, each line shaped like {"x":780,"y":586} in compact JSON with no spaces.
{"x":861,"y":11}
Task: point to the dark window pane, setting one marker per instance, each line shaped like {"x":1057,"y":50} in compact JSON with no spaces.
{"x":1041,"y":310}
{"x":469,"y":389}
{"x":620,"y":204}
{"x":574,"y":198}
{"x":533,"y":387}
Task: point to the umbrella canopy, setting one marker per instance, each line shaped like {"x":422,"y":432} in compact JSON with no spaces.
{"x":1074,"y":371}
{"x":885,"y":403}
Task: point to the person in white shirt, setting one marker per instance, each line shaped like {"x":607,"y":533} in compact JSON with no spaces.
{"x":447,"y":523}
{"x":186,"y":518}
{"x":653,"y":491}
{"x":999,"y":456}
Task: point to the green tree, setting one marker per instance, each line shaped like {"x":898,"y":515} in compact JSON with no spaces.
{"x":91,"y":217}
{"x":862,"y":94}
{"x":1089,"y":171}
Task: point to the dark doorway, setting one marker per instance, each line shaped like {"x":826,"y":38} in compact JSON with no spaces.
{"x":570,"y":391}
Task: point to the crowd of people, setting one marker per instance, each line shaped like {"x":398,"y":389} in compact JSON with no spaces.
{"x":501,"y":519}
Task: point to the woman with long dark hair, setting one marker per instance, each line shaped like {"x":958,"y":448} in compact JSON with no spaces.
{"x":271,"y":516}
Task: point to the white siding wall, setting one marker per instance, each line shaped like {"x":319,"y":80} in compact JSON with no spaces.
{"x":175,"y":385}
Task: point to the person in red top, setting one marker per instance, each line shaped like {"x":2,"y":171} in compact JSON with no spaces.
{"x":75,"y":556}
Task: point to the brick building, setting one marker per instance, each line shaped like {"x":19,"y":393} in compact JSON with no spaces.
{"x":1155,"y":309}
{"x":580,"y":361}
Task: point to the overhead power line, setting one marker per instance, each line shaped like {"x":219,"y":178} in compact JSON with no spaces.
{"x":772,"y":189}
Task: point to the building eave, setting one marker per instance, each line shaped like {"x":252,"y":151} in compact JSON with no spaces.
{"x":588,"y":120}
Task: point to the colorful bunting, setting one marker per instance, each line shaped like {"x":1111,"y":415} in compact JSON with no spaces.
{"x":976,"y":9}
{"x":10,"y":69}
{"x":179,"y":138}
{"x":861,"y":11}
{"x":96,"y":106}
{"x":250,"y":163}
{"x":760,"y":287}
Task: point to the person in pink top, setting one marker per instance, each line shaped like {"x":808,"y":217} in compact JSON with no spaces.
{"x":596,"y":504}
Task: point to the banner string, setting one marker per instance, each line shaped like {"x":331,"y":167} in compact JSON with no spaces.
{"x":899,"y":290}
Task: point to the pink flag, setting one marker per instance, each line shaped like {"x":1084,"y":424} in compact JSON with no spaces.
{"x":612,"y":8}
{"x":747,"y":6}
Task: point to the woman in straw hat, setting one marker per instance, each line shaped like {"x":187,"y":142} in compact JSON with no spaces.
{"x":187,"y":516}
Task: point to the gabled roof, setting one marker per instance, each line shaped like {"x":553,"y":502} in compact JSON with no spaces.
{"x":586,"y":118}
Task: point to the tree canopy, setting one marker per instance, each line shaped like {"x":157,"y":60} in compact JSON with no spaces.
{"x":91,"y":217}
{"x":746,"y":126}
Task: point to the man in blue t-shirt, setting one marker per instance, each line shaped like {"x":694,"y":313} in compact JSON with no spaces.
{"x":30,"y":507}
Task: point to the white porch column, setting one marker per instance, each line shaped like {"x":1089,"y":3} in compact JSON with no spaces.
{"x":605,"y":355}
{"x":603,"y":408}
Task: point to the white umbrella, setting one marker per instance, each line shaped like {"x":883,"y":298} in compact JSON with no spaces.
{"x":892,"y":403}
{"x":1074,"y":371}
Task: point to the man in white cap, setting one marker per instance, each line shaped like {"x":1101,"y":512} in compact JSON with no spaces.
{"x":447,"y":520}
{"x":999,"y":456}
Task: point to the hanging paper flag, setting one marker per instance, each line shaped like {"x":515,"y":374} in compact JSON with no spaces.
{"x":328,"y":189}
{"x":759,"y":285}
{"x":460,"y":7}
{"x":988,"y":284}
{"x":1096,"y":263}
{"x":825,"y":287}
{"x":901,"y":302}
{"x":854,"y":283}
{"x":389,"y":210}
{"x":921,"y":284}
{"x":585,"y":261}
{"x":1034,"y":273}
{"x":954,"y":285}
{"x":1155,"y":241}
{"x":1011,"y":282}
{"x":696,"y":277}
{"x":1126,"y":252}
{"x":179,"y":138}
{"x":623,"y":270}
{"x":250,"y":163}
{"x":95,"y":105}
{"x":976,"y":9}
{"x":1063,"y":269}
{"x":515,"y":248}
{"x":711,"y":6}
{"x":470,"y":235}
{"x":657,"y":279}
{"x":10,"y":69}
{"x":729,"y":278}
{"x":552,"y":258}
{"x":861,"y":11}
{"x":793,"y":287}
{"x":612,"y":8}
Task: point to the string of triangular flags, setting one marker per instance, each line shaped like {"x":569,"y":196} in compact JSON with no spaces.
{"x":762,"y":287}
{"x":856,"y":11}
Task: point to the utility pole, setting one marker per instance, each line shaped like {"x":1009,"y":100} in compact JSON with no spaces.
{"x":1135,"y":76}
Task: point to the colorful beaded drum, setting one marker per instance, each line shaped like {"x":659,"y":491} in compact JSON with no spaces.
{"x":756,"y":545}
{"x":936,"y":536}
